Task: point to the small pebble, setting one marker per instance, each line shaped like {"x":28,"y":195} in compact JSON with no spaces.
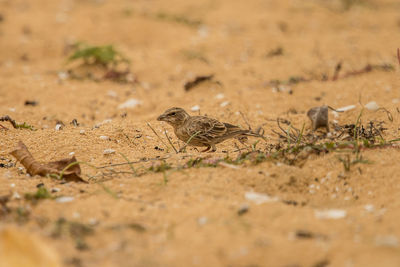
{"x":220,"y":96}
{"x":108,"y":151}
{"x":82,"y":132}
{"x":16,"y":196}
{"x":259,"y":198}
{"x":64,"y":199}
{"x":195,"y":108}
{"x":131,"y":103}
{"x":202,"y":220}
{"x":224,"y":104}
{"x":55,"y":190}
{"x":372,"y":106}
{"x":112,"y":94}
{"x":58,"y":127}
{"x":330,"y":214}
{"x":243,"y":209}
{"x":104,"y":137}
{"x":369,"y":207}
{"x":71,"y":153}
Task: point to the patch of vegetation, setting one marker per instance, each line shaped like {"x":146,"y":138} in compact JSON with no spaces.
{"x":97,"y":63}
{"x":96,"y":55}
{"x":41,"y":193}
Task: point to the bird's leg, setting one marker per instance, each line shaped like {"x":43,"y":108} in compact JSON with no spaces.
{"x":213,"y":149}
{"x":205,"y":150}
{"x":182,"y":149}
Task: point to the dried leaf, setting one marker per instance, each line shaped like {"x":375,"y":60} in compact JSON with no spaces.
{"x":33,"y":167}
{"x":319,"y":117}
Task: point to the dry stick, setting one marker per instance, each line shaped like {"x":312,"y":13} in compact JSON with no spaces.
{"x":398,"y":54}
{"x":170,"y":142}
{"x":8,"y":118}
{"x":245,"y":120}
{"x":337,"y":70}
{"x":131,"y":162}
{"x":148,"y":124}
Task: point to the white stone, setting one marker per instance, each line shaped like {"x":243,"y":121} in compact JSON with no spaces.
{"x":130,"y":103}
{"x":224,"y":104}
{"x":104,"y":137}
{"x":259,"y":198}
{"x":64,"y":199}
{"x":330,"y":214}
{"x":108,"y":151}
{"x":372,"y":106}
{"x":219,"y":96}
{"x":195,"y":108}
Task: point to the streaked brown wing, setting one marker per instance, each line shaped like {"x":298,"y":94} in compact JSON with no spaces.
{"x":205,"y":128}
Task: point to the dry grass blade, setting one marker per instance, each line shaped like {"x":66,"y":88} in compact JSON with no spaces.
{"x":154,"y":131}
{"x":170,"y":142}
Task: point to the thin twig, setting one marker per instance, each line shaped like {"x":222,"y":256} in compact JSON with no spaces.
{"x":170,"y":142}
{"x":245,"y":120}
{"x":154,"y":131}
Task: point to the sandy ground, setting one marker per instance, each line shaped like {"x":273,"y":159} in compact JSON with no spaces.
{"x":201,"y":216}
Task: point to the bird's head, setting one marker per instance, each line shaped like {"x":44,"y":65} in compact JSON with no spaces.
{"x":174,"y":116}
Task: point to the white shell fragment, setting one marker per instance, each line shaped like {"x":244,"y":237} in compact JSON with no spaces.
{"x":330,"y":214}
{"x":224,"y":104}
{"x":64,"y":199}
{"x":108,"y":151}
{"x":104,"y":137}
{"x":195,"y":108}
{"x":346,"y":108}
{"x":130,"y":103}
{"x":259,"y":198}
{"x":372,"y":106}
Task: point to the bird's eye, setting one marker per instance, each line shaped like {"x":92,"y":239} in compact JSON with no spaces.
{"x":172,"y":114}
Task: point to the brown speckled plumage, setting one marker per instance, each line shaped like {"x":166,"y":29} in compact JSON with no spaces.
{"x":202,"y":130}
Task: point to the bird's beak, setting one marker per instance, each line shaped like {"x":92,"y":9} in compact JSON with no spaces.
{"x":161,"y":117}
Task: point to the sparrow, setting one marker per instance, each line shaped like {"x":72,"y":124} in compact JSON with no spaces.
{"x":202,"y":130}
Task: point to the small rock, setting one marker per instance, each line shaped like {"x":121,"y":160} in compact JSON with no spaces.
{"x":82,"y":132}
{"x":369,"y":207}
{"x":64,"y":199}
{"x":243,"y":209}
{"x":195,"y":108}
{"x":108,"y":151}
{"x":55,"y":190}
{"x":15,"y":195}
{"x":58,"y":126}
{"x":372,"y":106}
{"x":259,"y":198}
{"x":202,"y":220}
{"x":220,"y":96}
{"x":131,"y":103}
{"x":104,"y":137}
{"x":330,"y":214}
{"x":112,"y":94}
{"x":62,"y":75}
{"x":71,"y":153}
{"x":224,"y":104}
{"x":319,"y":117}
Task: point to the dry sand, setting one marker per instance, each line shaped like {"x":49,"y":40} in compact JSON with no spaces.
{"x":190,"y":217}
